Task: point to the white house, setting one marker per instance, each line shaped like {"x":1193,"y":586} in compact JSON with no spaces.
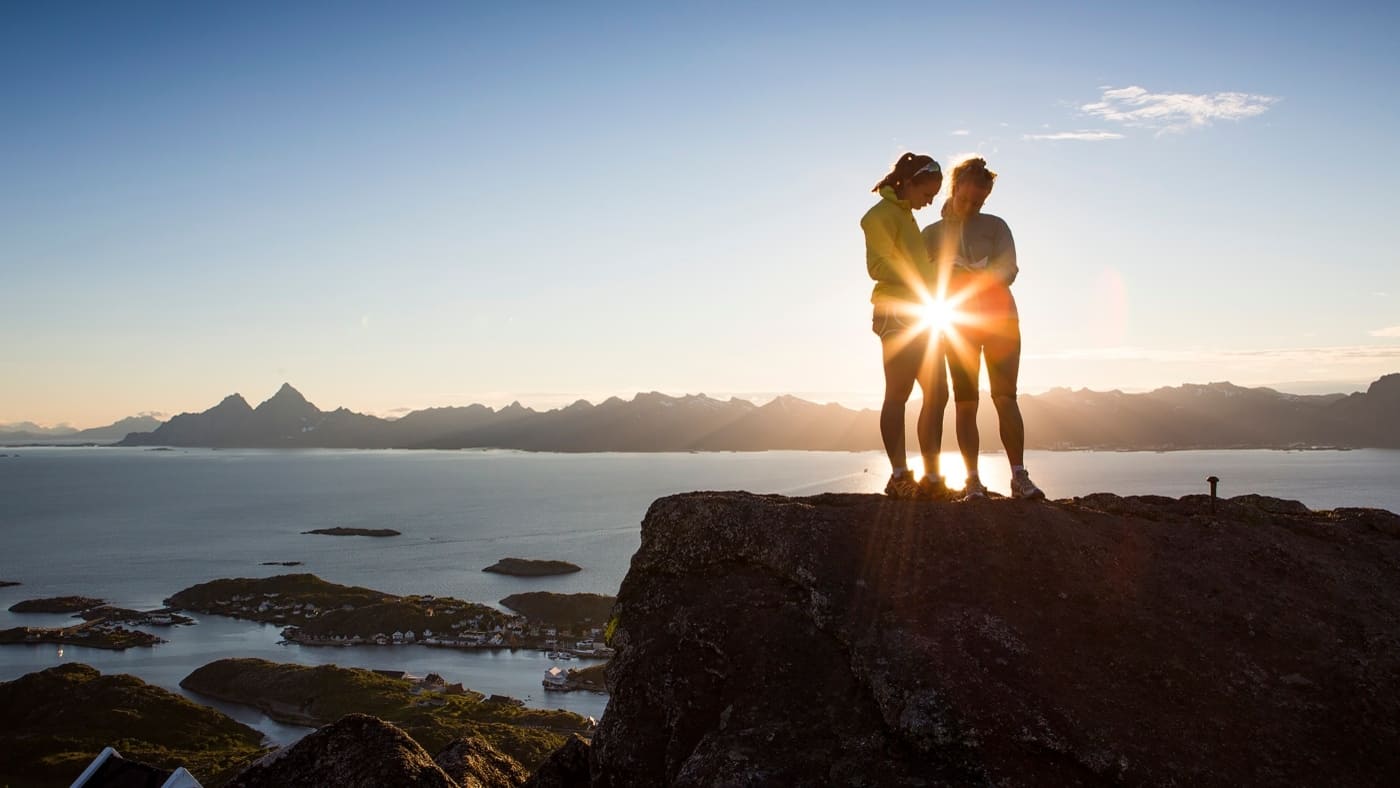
{"x":556,"y":679}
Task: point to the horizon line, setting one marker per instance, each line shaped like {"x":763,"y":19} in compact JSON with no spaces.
{"x":757,"y":399}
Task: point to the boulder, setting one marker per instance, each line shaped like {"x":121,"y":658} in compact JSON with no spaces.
{"x":856,"y":640}
{"x":474,"y":763}
{"x":356,"y":751}
{"x":566,"y":767}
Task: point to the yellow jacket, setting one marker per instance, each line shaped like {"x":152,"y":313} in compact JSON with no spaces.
{"x":895,"y":254}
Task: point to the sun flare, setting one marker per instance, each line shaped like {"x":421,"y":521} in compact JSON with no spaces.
{"x":938,"y":314}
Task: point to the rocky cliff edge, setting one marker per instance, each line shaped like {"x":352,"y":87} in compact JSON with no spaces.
{"x":855,"y":640}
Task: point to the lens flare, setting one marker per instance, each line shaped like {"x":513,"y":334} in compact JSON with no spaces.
{"x":938,"y":315}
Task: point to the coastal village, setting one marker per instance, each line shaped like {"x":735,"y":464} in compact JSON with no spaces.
{"x":101,"y":626}
{"x":315,"y":612}
{"x":93,"y":634}
{"x":477,"y":631}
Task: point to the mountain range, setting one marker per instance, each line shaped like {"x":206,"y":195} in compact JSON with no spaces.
{"x":28,"y":431}
{"x":1214,"y":416}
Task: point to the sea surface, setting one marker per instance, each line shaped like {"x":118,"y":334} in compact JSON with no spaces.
{"x":133,"y":526}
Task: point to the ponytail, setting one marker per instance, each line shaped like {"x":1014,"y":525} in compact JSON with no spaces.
{"x":910,"y":167}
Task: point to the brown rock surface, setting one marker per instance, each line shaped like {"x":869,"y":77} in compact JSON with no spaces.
{"x":474,"y":763}
{"x":854,"y":640}
{"x":567,"y":767}
{"x":356,"y":751}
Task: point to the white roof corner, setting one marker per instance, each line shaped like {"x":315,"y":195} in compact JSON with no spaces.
{"x":181,"y":779}
{"x":92,"y":768}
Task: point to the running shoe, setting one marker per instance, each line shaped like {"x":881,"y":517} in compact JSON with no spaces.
{"x":934,"y":488}
{"x":904,"y":487}
{"x":1023,"y":487}
{"x":974,"y":490}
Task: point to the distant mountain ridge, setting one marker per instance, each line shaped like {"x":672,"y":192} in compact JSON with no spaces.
{"x":1215,"y":415}
{"x":62,"y":433}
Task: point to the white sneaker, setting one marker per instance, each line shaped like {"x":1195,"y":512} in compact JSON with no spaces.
{"x":974,"y":490}
{"x":1023,"y":487}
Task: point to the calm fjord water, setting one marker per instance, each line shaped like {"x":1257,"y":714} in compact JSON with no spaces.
{"x":133,"y":526}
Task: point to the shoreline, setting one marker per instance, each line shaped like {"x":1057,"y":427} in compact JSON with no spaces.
{"x":512,"y":672}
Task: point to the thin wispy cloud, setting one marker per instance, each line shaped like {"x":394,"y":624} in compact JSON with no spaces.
{"x":1300,"y":355}
{"x":1388,"y":331}
{"x":1087,"y":135}
{"x":1136,"y":106}
{"x":959,"y":132}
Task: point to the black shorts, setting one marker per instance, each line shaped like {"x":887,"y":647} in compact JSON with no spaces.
{"x":999,"y":340}
{"x":894,"y":320}
{"x":908,"y":344}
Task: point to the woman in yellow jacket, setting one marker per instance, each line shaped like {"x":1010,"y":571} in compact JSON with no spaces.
{"x":897,"y":260}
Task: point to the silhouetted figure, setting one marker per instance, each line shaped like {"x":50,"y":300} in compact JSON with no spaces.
{"x":898,"y":262}
{"x":976,"y":256}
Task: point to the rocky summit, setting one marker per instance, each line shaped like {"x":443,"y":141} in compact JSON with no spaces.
{"x":856,"y":640}
{"x":474,"y":763}
{"x":357,"y":751}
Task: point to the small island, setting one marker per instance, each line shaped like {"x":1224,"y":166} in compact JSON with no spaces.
{"x":529,"y":567}
{"x":93,"y":634}
{"x":321,"y":613}
{"x":315,"y":612}
{"x":163,"y":617}
{"x":57,"y":604}
{"x":273,"y":600}
{"x":8,"y":583}
{"x":281,"y":563}
{"x":342,"y":531}
{"x":427,"y":708}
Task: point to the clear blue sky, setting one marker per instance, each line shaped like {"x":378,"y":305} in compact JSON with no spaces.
{"x":395,"y":205}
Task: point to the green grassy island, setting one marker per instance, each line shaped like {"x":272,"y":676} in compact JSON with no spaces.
{"x":147,"y":618}
{"x":562,"y":610}
{"x":342,"y":531}
{"x":57,"y":604}
{"x":57,"y":720}
{"x":319,"y":613}
{"x":529,"y":567}
{"x":433,"y":712}
{"x":93,"y":634}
